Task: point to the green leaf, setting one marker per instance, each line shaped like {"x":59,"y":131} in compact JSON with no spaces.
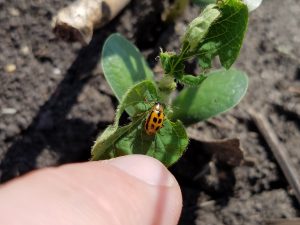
{"x":134,"y":99}
{"x":226,"y":35}
{"x":172,"y":64}
{"x":220,"y":91}
{"x":199,"y":27}
{"x":138,"y":97}
{"x":167,"y":145}
{"x":123,"y":65}
{"x":191,"y":80}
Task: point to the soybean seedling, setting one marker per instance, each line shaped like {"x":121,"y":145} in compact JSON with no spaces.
{"x":157,"y":126}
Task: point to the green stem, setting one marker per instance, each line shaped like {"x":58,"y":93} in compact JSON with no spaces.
{"x":166,"y":86}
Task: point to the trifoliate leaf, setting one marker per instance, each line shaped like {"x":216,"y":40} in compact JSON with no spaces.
{"x":226,"y":35}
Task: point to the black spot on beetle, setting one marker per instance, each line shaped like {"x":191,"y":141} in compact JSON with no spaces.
{"x":159,"y":121}
{"x":157,"y":128}
{"x":158,"y":114}
{"x":152,"y":126}
{"x":154,"y":119}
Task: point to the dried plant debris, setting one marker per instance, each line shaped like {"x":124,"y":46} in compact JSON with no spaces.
{"x":294,"y":221}
{"x":77,"y":21}
{"x":225,"y":150}
{"x":278,"y":149}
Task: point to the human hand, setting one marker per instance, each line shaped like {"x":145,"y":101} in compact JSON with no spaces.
{"x":129,"y":190}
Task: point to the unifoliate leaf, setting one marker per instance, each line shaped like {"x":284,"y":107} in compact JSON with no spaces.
{"x":219,"y":92}
{"x":167,"y":145}
{"x":123,"y":65}
{"x":191,"y":80}
{"x":199,"y":27}
{"x":226,"y":35}
{"x":134,"y":99}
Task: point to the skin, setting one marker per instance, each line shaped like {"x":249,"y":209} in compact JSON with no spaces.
{"x":129,"y":190}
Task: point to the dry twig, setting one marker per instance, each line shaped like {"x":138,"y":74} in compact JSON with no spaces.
{"x":294,"y":221}
{"x":278,"y":150}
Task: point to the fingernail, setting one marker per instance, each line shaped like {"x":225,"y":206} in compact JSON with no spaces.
{"x":144,"y":168}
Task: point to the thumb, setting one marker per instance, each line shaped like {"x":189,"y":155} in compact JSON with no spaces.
{"x":129,"y":190}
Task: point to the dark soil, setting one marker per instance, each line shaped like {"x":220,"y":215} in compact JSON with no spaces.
{"x":56,"y":101}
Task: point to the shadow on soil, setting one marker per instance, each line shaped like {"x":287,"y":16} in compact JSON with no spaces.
{"x":66,"y":138}
{"x":198,"y":175}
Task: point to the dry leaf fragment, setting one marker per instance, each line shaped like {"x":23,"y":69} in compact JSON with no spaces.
{"x":225,"y":150}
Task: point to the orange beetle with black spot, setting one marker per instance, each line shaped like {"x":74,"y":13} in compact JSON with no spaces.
{"x":155,"y":119}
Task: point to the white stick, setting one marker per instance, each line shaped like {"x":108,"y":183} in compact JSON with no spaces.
{"x":77,"y":21}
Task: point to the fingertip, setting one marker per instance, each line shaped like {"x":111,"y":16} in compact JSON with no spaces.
{"x":129,"y":190}
{"x":144,"y":168}
{"x":164,"y":201}
{"x":139,"y":188}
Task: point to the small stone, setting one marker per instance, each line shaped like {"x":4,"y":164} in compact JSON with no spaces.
{"x":12,"y":130}
{"x":14,"y":12}
{"x":56,"y":71}
{"x":180,"y":28}
{"x":25,"y":50}
{"x":10,"y":68}
{"x":9,"y":111}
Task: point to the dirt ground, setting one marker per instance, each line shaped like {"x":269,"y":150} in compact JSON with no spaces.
{"x":54,"y":103}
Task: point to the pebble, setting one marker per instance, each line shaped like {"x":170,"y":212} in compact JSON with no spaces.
{"x":9,"y":111}
{"x":10,"y":68}
{"x":56,"y":71}
{"x":25,"y":50}
{"x":11,"y":130}
{"x":14,"y":12}
{"x":180,"y":28}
